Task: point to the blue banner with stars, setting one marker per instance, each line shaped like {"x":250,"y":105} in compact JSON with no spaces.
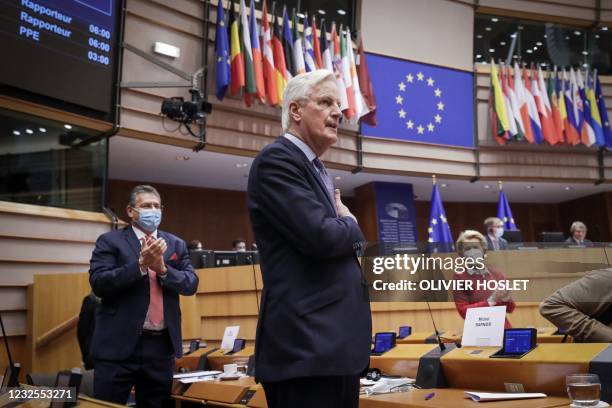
{"x":421,"y":103}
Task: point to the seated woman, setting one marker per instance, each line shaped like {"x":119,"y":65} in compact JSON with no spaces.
{"x":472,"y":244}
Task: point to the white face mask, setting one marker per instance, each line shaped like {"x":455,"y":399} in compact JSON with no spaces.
{"x":499,"y":232}
{"x":474,"y":253}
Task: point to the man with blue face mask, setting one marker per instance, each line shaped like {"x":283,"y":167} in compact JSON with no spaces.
{"x":139,"y":273}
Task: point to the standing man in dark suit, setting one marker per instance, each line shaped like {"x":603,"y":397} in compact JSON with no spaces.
{"x":494,"y":230}
{"x":139,"y":273}
{"x":314,"y":329}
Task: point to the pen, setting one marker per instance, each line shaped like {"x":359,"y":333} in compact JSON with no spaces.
{"x":429,"y":396}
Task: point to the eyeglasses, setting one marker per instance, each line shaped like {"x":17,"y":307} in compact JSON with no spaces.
{"x":150,"y":206}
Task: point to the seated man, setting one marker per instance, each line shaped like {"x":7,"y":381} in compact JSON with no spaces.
{"x":583,"y":308}
{"x":239,"y":245}
{"x":494,"y":228}
{"x":578,"y":231}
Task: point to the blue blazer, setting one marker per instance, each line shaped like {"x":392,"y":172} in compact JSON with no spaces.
{"x":115,"y":277}
{"x":315,"y":313}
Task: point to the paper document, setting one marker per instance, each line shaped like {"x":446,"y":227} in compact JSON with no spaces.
{"x":502,"y":396}
{"x":195,"y":374}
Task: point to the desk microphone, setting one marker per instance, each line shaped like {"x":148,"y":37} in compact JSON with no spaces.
{"x":437,"y":333}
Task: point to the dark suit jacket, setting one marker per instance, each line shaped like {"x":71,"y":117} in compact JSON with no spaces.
{"x":115,"y":277}
{"x":315,"y":313}
{"x":503,"y":244}
{"x":585,"y":242}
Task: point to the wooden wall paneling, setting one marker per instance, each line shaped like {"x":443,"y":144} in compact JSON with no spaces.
{"x":55,"y":299}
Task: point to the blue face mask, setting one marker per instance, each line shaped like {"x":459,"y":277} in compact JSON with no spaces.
{"x":149,"y":220}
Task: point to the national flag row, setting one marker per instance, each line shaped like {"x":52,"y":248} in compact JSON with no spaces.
{"x":259,"y":61}
{"x":557,"y":108}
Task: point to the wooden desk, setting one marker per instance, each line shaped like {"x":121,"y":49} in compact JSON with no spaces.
{"x":422,"y":337}
{"x":451,"y":398}
{"x":545,"y":335}
{"x":223,"y":394}
{"x":541,"y":370}
{"x":83,"y":401}
{"x":216,"y":360}
{"x":402,"y":359}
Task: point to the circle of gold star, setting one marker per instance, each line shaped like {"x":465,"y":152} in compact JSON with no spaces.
{"x":403,"y":86}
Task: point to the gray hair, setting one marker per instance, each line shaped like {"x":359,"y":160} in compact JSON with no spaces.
{"x":490,"y":221}
{"x":299,"y":87}
{"x":142,"y":188}
{"x":469,"y":235}
{"x":577,"y":224}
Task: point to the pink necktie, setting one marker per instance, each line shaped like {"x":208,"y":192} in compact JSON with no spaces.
{"x":156,"y":297}
{"x":156,"y":302}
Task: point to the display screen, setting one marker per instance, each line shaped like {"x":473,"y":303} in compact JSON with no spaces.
{"x":518,"y":341}
{"x":404,"y":331}
{"x":238,"y":345}
{"x":63,"y":49}
{"x":383,"y":342}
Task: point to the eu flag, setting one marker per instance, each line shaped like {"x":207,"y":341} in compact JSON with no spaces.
{"x":439,"y":232}
{"x":222,"y":76}
{"x":422,"y":103}
{"x":504,"y":213}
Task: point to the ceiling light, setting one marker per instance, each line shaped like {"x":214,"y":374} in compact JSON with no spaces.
{"x":478,"y":56}
{"x":341,"y":12}
{"x":543,"y":64}
{"x":338,"y":178}
{"x":512,"y":35}
{"x":300,"y":15}
{"x":568,"y":188}
{"x":487,"y":28}
{"x":491,"y":49}
{"x":495,"y":19}
{"x":520,"y":27}
{"x":535,"y":48}
{"x":585,"y":53}
{"x":502,"y":43}
{"x":604,"y":28}
{"x":530,"y":187}
{"x":29,"y":131}
{"x":443,"y":185}
{"x":67,"y":126}
{"x":515,"y":56}
{"x":42,"y":130}
{"x":241,"y":165}
{"x":322,"y":12}
{"x":479,"y":36}
{"x":596,"y":35}
{"x":545,"y":36}
{"x":567,"y":37}
{"x":585,"y":65}
{"x":486,"y":186}
{"x":577,"y":32}
{"x":529,"y":51}
{"x":539,"y":44}
{"x":182,"y":158}
{"x":16,"y":132}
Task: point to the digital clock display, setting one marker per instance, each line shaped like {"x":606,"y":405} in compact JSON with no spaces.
{"x":63,"y":49}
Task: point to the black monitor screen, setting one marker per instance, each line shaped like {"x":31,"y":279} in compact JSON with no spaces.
{"x":238,"y":345}
{"x":519,"y":341}
{"x":553,"y":237}
{"x":201,"y":258}
{"x":513,"y":236}
{"x":383,"y":342}
{"x":63,"y":49}
{"x":225,"y":258}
